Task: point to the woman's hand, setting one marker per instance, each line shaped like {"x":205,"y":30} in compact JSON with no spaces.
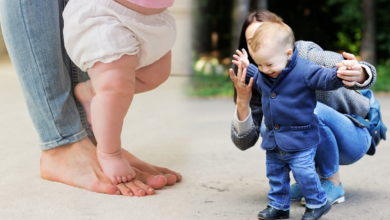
{"x":351,"y":71}
{"x":241,"y":57}
{"x":244,"y":91}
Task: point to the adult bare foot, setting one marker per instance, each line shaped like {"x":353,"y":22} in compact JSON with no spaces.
{"x":76,"y":165}
{"x":143,"y":184}
{"x":172,"y":176}
{"x":84,"y":92}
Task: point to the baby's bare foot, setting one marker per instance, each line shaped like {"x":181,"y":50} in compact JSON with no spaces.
{"x":170,"y":176}
{"x":84,"y":92}
{"x":115,"y":166}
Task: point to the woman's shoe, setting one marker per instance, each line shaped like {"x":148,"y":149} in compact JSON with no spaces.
{"x":334,"y":193}
{"x":295,"y":192}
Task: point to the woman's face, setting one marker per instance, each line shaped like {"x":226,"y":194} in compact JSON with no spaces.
{"x":249,"y":32}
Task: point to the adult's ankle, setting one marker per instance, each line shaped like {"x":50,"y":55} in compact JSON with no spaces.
{"x":60,"y":149}
{"x":335,"y":182}
{"x":57,"y":150}
{"x":335,"y":179}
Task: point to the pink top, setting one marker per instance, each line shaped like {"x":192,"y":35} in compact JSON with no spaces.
{"x":153,"y":3}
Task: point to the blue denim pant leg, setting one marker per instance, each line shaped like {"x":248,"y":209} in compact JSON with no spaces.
{"x":303,"y":168}
{"x":278,"y":174}
{"x":32,"y":32}
{"x":342,"y":142}
{"x":279,"y":164}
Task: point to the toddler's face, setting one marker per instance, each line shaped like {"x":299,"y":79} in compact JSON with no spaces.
{"x":271,"y":59}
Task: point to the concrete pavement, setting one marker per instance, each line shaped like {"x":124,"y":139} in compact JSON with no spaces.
{"x":189,"y":135}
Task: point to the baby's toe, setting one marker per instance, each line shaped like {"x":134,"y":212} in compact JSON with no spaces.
{"x":119,"y":179}
{"x":113,"y":180}
{"x":133,"y":174}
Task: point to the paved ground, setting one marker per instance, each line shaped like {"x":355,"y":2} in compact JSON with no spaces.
{"x":191,"y":136}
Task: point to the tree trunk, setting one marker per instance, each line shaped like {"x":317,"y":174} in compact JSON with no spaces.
{"x":262,"y":4}
{"x":367,"y":49}
{"x":240,"y":11}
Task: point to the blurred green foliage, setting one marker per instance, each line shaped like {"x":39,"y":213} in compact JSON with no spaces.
{"x":332,"y":24}
{"x":383,"y":81}
{"x":210,"y":85}
{"x":383,"y":30}
{"x":210,"y":78}
{"x":212,"y":16}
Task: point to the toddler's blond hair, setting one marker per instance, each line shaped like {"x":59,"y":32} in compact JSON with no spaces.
{"x":273,"y":31}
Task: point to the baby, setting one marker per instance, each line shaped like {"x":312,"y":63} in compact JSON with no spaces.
{"x":287,"y":84}
{"x":124,"y":45}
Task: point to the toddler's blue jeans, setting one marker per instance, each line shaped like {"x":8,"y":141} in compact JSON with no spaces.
{"x":341,"y":141}
{"x":301,"y":163}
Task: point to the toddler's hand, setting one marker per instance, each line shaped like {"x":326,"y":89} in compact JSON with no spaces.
{"x":241,"y":57}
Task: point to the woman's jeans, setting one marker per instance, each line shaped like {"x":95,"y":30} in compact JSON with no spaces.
{"x":342,"y":142}
{"x":301,"y":163}
{"x":33,"y":34}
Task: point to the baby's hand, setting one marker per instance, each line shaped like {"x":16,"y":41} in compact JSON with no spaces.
{"x":241,"y":57}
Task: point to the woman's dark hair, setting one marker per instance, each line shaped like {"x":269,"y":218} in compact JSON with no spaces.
{"x":261,"y":16}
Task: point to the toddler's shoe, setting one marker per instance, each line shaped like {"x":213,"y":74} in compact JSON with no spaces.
{"x":314,"y":214}
{"x":271,"y":213}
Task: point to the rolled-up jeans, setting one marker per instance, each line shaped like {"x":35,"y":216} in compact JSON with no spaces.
{"x":32,"y":32}
{"x":342,"y":142}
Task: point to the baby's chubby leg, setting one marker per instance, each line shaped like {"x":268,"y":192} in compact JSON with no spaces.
{"x":150,"y":77}
{"x":146,"y":78}
{"x":114,"y":85}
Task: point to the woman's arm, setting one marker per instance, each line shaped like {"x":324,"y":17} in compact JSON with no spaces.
{"x":248,"y":138}
{"x":311,"y":51}
{"x":248,"y":116}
